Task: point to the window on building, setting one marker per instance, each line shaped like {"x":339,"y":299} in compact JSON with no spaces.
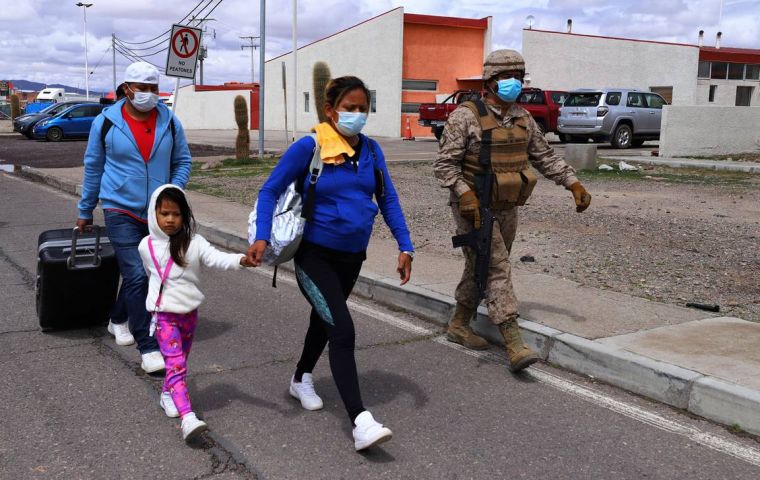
{"x":713,"y":89}
{"x":753,"y":72}
{"x":426,"y":85}
{"x":736,"y":71}
{"x":704,"y":70}
{"x":744,"y":96}
{"x":373,"y":101}
{"x":306,"y":102}
{"x":719,"y":70}
{"x":410,"y":107}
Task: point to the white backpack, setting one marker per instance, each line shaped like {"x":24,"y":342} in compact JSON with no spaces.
{"x":289,"y":217}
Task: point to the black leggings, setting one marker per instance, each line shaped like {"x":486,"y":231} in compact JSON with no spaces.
{"x":326,"y":278}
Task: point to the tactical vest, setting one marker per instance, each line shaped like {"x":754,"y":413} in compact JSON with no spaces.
{"x":506,"y":151}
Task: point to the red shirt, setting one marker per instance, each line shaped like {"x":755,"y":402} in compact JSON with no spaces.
{"x":143,"y":131}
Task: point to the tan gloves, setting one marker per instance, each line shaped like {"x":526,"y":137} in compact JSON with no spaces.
{"x":581,"y":196}
{"x":469,"y":207}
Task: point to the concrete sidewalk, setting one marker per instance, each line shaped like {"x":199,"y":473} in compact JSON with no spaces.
{"x":674,"y":162}
{"x":706,"y":364}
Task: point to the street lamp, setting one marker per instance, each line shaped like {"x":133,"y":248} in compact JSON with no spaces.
{"x":86,"y":67}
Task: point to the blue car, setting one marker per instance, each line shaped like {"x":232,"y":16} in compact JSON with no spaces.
{"x":74,"y":122}
{"x":24,"y":124}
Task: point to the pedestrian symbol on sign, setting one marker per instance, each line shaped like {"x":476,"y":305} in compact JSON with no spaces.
{"x":182,"y":57}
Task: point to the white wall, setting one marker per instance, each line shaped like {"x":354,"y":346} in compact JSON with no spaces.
{"x":725,"y":94}
{"x":209,"y":110}
{"x":705,"y":131}
{"x":558,"y":61}
{"x":371,"y":51}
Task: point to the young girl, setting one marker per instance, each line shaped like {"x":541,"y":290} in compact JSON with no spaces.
{"x":172,"y":255}
{"x":335,"y":242}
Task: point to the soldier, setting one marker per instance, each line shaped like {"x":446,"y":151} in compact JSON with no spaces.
{"x":511,"y":139}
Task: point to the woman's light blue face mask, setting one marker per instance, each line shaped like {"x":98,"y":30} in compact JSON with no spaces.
{"x":351,"y":123}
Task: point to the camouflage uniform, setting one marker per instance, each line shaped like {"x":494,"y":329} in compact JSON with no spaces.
{"x":462,"y":135}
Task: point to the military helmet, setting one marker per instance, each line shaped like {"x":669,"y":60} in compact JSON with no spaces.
{"x":502,"y":61}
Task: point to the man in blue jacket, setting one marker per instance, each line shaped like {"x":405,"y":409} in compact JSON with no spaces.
{"x":134,"y":147}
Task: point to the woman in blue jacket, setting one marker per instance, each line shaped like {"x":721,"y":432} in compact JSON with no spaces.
{"x":335,"y":242}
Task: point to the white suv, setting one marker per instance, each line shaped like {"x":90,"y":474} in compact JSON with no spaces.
{"x":624,"y":117}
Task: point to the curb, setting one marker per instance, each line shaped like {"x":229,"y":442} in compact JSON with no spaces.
{"x":699,"y":164}
{"x":702,"y":395}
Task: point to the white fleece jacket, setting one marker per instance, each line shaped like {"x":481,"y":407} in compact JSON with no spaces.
{"x":181,"y":292}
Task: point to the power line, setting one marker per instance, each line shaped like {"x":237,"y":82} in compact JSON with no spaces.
{"x":183,"y":19}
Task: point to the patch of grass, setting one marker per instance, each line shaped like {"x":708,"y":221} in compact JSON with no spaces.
{"x":735,"y":428}
{"x":231,"y":167}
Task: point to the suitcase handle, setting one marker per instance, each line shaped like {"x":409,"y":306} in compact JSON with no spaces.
{"x":71,"y":263}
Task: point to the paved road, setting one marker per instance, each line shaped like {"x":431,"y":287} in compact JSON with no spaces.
{"x":77,"y":406}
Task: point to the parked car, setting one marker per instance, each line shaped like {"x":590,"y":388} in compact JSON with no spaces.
{"x":544,"y":106}
{"x":73,"y":122}
{"x":434,"y":115}
{"x":624,"y":117}
{"x":24,"y":124}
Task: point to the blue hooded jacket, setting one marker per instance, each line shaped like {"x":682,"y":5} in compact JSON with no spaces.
{"x":119,"y":176}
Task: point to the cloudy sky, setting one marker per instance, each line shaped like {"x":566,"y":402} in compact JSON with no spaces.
{"x":42,"y":40}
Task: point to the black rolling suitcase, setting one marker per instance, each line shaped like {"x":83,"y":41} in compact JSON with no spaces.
{"x":77,"y":278}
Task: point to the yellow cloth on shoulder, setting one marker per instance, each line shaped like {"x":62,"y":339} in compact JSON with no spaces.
{"x":332,"y":145}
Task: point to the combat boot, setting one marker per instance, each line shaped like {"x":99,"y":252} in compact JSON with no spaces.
{"x":520,"y":355}
{"x":459,"y":330}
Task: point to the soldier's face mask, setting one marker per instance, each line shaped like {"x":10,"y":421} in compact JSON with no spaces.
{"x":508,"y":89}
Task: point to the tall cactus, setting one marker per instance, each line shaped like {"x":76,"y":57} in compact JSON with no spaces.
{"x":15,"y":106}
{"x":243,"y":140}
{"x":321,"y":76}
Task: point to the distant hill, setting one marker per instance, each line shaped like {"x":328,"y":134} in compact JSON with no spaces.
{"x":36,"y":86}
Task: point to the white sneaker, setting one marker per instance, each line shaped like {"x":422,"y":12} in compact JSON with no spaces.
{"x":192,"y":427}
{"x":152,"y":362}
{"x":368,"y":432}
{"x":166,"y":402}
{"x":121,"y":332}
{"x":304,"y":391}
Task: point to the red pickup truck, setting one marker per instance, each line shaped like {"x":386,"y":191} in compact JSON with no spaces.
{"x":543,"y":105}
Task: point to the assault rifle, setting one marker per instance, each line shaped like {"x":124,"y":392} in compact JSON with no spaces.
{"x":479,"y":239}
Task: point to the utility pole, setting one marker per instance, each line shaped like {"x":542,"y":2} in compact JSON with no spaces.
{"x":86,"y":66}
{"x":202,"y":54}
{"x":262,"y":42}
{"x":113,"y":48}
{"x":295,"y":70}
{"x":253,"y":46}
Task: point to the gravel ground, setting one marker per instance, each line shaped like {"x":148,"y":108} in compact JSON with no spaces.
{"x":669,"y":235}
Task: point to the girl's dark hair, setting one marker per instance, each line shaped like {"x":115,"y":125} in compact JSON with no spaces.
{"x":180,"y":241}
{"x":339,"y":87}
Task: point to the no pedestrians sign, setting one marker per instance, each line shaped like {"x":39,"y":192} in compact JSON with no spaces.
{"x":184,"y":45}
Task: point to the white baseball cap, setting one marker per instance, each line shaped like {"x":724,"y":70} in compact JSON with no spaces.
{"x":141,"y":72}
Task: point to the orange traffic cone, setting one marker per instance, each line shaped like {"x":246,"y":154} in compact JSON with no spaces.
{"x":408,"y":132}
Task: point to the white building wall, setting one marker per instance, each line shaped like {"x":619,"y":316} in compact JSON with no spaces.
{"x":372,"y":51}
{"x":725,"y":94}
{"x":706,"y":131}
{"x":212,"y":110}
{"x":557,"y":61}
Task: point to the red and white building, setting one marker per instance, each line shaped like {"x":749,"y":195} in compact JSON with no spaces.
{"x":405,"y":59}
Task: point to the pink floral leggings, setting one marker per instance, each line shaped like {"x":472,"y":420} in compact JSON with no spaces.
{"x":174,"y":333}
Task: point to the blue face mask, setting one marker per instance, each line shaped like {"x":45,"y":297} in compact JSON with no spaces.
{"x":509,"y":89}
{"x":351,"y":123}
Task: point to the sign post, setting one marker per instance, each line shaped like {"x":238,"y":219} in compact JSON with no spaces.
{"x":182,"y":57}
{"x":183,"y":51}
